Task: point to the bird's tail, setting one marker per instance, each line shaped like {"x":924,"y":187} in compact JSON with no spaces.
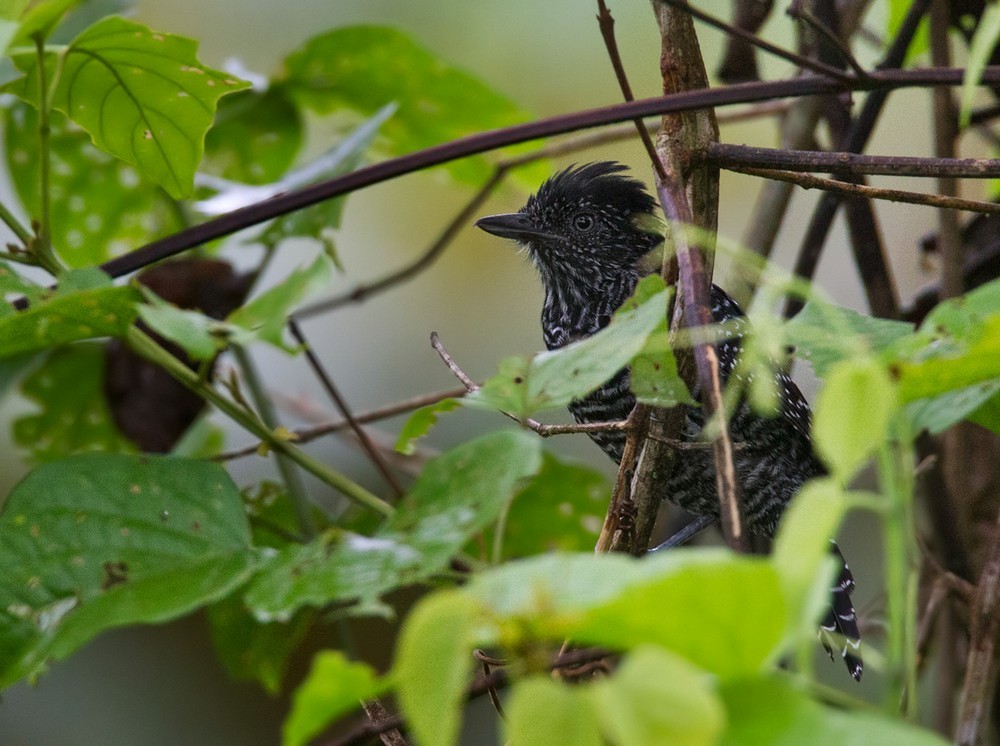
{"x":840,"y":628}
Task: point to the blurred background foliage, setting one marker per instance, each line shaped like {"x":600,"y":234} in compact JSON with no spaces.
{"x":165,"y":685}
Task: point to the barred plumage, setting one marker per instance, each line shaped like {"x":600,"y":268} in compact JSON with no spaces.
{"x":586,"y":230}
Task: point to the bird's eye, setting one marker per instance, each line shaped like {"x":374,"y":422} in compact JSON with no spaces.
{"x":583,"y":222}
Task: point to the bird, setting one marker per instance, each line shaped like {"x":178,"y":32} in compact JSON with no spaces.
{"x":588,"y":230}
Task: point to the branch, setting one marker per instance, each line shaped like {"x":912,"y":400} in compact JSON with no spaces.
{"x":742,"y":93}
{"x":735,"y":157}
{"x":848,"y":189}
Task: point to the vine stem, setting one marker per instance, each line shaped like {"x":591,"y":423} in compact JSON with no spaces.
{"x":42,"y":245}
{"x":145,"y":346}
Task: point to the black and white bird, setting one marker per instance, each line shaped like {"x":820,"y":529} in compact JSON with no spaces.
{"x":587,"y":230}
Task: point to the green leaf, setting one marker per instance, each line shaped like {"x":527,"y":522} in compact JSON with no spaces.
{"x":256,"y":137}
{"x":200,"y":336}
{"x":40,"y":19}
{"x":252,"y":651}
{"x":101,"y":207}
{"x":553,"y":379}
{"x":938,"y":413}
{"x":457,"y":495}
{"x":99,"y":541}
{"x":13,"y":284}
{"x":104,"y":312}
{"x":72,"y":415}
{"x":319,"y":221}
{"x":952,"y":364}
{"x":853,"y":412}
{"x":362,"y":68}
{"x":334,"y":687}
{"x":656,"y":697}
{"x":980,"y":50}
{"x":141,"y":95}
{"x":543,"y":711}
{"x":621,"y":603}
{"x":265,"y":316}
{"x":921,"y":40}
{"x":433,"y":665}
{"x":802,"y":551}
{"x":825,"y":334}
{"x":773,"y":712}
{"x":420,"y":422}
{"x":654,"y":378}
{"x":988,"y":415}
{"x":561,"y":509}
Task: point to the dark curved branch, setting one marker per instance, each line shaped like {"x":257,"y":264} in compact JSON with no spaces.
{"x":742,"y":93}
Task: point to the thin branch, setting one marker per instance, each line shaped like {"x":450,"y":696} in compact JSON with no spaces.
{"x":379,"y":716}
{"x":544,"y":430}
{"x":306,"y":434}
{"x":734,"y":31}
{"x":290,"y":475}
{"x":732,"y":157}
{"x":345,"y":411}
{"x":606,"y":22}
{"x":800,"y":13}
{"x":857,"y":136}
{"x":694,"y":283}
{"x":743,"y":93}
{"x":846,"y":188}
{"x":982,"y":665}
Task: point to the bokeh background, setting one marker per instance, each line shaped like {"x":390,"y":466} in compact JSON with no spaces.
{"x":163,"y":685}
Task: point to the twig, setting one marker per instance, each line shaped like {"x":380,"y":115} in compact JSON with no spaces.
{"x":808,"y":181}
{"x":799,"y":12}
{"x":982,"y":664}
{"x":861,"y":128}
{"x":290,"y":475}
{"x":694,"y":282}
{"x":729,"y":156}
{"x":544,"y":430}
{"x":345,"y":411}
{"x":735,"y":31}
{"x":606,"y":22}
{"x":379,"y":716}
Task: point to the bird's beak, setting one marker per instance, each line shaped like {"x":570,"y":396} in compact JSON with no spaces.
{"x":514,"y":225}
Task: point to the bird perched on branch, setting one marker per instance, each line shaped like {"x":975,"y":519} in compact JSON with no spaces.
{"x":587,"y":230}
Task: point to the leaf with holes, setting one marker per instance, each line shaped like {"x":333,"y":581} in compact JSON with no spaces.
{"x":98,"y":541}
{"x":142,"y":96}
{"x":72,"y":415}
{"x":101,"y":207}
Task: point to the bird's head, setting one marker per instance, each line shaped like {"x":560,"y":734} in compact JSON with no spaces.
{"x":583,"y":224}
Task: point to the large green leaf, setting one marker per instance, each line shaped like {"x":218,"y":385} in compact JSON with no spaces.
{"x":98,"y":541}
{"x":363,"y":68}
{"x":773,"y":712}
{"x":457,"y":495}
{"x":334,"y":687}
{"x":71,"y":415}
{"x":562,"y":509}
{"x":67,"y":317}
{"x":553,"y":379}
{"x":953,"y":363}
{"x":853,"y":412}
{"x":256,"y":137}
{"x":543,"y":711}
{"x":657,"y":697}
{"x":141,"y":95}
{"x":621,"y":603}
{"x":433,"y":663}
{"x":825,"y":334}
{"x":100,"y":206}
{"x":252,"y":651}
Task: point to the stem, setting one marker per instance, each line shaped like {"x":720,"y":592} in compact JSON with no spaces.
{"x":286,"y":466}
{"x":145,"y":346}
{"x":895,"y":465}
{"x":22,"y":233}
{"x":42,"y":246}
